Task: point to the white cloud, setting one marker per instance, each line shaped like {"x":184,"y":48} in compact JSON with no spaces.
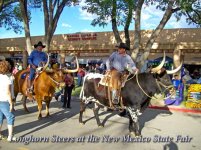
{"x":173,"y":23}
{"x":151,"y":18}
{"x":87,"y":30}
{"x":84,"y":15}
{"x":152,"y":12}
{"x":66,"y":25}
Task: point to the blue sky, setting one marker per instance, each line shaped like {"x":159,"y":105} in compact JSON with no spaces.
{"x":73,"y":20}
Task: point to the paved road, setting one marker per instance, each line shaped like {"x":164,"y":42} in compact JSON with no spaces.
{"x":160,"y":129}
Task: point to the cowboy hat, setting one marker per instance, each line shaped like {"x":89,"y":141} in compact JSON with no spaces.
{"x":39,"y":44}
{"x":122,"y":45}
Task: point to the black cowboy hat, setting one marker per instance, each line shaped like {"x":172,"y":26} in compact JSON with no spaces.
{"x":39,"y":44}
{"x":122,"y":45}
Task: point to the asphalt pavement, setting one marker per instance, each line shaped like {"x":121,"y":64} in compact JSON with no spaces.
{"x":161,"y":129}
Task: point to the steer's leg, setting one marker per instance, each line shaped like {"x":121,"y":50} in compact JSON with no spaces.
{"x":134,"y":121}
{"x":47,"y":107}
{"x":24,"y":99}
{"x":39,"y":101}
{"x":96,"y":109}
{"x":82,"y":109}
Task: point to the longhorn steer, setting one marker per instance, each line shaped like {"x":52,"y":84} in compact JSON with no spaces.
{"x":136,"y":93}
{"x":44,"y":86}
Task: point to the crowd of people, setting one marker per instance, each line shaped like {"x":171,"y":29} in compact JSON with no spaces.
{"x":117,"y":62}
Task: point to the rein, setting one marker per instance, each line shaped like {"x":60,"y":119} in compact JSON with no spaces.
{"x":57,"y":83}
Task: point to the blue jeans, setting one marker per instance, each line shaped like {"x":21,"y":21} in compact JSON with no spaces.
{"x":79,"y":81}
{"x":32,"y":74}
{"x":5,"y":111}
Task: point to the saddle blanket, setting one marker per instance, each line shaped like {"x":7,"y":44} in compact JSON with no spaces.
{"x":103,"y":78}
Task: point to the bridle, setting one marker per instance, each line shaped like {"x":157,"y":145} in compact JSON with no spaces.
{"x":56,"y":82}
{"x":159,"y":84}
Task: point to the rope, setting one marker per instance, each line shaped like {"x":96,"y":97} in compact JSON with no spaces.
{"x":57,"y":83}
{"x":140,"y":86}
{"x":166,"y":87}
{"x":131,"y":77}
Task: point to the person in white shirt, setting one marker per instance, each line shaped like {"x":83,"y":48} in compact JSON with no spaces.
{"x":6,"y":105}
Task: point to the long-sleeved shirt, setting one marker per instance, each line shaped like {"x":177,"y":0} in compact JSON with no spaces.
{"x":120,"y":62}
{"x":36,"y":57}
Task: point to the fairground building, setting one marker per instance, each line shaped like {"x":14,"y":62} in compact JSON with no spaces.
{"x":97,"y":45}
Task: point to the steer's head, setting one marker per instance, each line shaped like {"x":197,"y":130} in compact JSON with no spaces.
{"x":57,"y":75}
{"x":162,"y":75}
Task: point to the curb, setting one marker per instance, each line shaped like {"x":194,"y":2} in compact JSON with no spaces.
{"x":185,"y":110}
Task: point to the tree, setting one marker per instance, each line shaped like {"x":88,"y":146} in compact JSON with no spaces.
{"x":177,"y":7}
{"x":192,"y":11}
{"x":118,"y":12}
{"x":26,"y":18}
{"x":168,"y":12}
{"x":10,"y":15}
{"x":52,"y":11}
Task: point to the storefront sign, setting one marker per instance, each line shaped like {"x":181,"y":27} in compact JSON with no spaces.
{"x":83,"y":36}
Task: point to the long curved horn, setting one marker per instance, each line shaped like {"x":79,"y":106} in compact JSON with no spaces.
{"x":156,"y":69}
{"x":175,"y":70}
{"x":72,"y":70}
{"x":48,"y":60}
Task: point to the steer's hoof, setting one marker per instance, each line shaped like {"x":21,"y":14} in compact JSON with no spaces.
{"x":100,"y":125}
{"x":135,"y":134}
{"x":82,"y":123}
{"x":39,"y":117}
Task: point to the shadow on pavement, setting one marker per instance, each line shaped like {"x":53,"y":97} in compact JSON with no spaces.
{"x":150,"y":114}
{"x":55,"y":117}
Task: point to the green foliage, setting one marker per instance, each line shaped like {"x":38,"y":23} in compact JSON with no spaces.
{"x":192,"y":10}
{"x":10,"y":18}
{"x":189,"y":8}
{"x":103,"y":10}
{"x":76,"y":91}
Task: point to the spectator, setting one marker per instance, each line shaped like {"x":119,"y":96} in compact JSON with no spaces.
{"x":6,"y":105}
{"x":80,"y":75}
{"x":98,"y":69}
{"x":20,"y":66}
{"x":15,"y":70}
{"x":176,"y":82}
{"x":70,"y":84}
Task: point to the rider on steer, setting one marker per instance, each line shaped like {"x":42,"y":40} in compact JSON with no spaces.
{"x":36,"y":57}
{"x":116,"y":64}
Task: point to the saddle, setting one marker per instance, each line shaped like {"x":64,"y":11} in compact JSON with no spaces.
{"x":106,"y":81}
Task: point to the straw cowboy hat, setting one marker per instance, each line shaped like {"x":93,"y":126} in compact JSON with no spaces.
{"x":39,"y":44}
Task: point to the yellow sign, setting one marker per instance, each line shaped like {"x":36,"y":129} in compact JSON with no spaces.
{"x":193,"y":105}
{"x":194,"y":93}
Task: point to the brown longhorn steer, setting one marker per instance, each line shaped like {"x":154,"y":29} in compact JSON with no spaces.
{"x":44,"y":86}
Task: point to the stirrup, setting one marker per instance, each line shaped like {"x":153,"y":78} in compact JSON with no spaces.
{"x":30,"y":90}
{"x":115,"y":101}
